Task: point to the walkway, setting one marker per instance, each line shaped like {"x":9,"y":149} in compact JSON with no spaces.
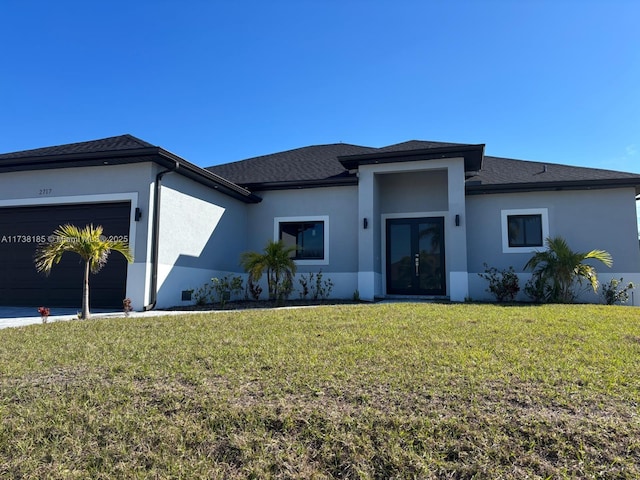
{"x":21,"y":316}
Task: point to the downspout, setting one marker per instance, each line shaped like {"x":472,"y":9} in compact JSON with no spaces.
{"x":155,"y":237}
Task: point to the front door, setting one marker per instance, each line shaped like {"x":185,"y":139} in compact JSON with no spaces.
{"x":415,"y":256}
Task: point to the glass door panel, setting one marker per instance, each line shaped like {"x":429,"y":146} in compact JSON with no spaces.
{"x":399,"y":257}
{"x":415,"y":256}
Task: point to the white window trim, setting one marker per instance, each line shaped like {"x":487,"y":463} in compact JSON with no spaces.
{"x":544,"y":216}
{"x":317,"y":218}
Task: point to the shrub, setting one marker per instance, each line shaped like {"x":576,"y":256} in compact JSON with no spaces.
{"x":314,"y":285}
{"x":226,"y":288}
{"x":504,"y":285}
{"x":537,"y":289}
{"x":322,"y":288}
{"x":253,"y":290}
{"x":126,"y":306}
{"x":203,"y":294}
{"x":305,"y":282}
{"x":285,"y":290}
{"x":613,"y":291}
{"x":44,"y":313}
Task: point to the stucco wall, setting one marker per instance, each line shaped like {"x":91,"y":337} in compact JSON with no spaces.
{"x":339,"y":204}
{"x":202,"y":233}
{"x":413,"y":191}
{"x":590,"y":219}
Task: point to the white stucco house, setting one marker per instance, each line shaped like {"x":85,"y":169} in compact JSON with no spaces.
{"x":416,"y":219}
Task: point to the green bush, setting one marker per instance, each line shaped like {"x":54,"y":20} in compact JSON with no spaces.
{"x":315,"y":286}
{"x":226,"y":288}
{"x":203,"y":295}
{"x":503,"y":284}
{"x":615,"y":292}
{"x":537,"y":289}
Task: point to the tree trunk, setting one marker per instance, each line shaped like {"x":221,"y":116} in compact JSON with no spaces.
{"x":85,"y":293}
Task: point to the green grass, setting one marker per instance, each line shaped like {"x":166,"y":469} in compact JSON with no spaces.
{"x":358,"y":391}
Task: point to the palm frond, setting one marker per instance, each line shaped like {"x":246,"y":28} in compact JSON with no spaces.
{"x":601,"y":255}
{"x":87,"y":242}
{"x":275,"y":260}
{"x":560,"y":268}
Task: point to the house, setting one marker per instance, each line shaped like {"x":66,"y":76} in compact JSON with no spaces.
{"x":415,"y":219}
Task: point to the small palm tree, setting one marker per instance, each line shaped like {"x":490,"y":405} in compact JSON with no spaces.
{"x":277,"y":262}
{"x":559,"y":268}
{"x":87,"y":242}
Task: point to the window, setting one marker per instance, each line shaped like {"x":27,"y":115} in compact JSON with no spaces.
{"x":308,"y":235}
{"x":524,"y":230}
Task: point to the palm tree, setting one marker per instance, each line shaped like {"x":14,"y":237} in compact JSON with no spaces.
{"x":277,"y":262}
{"x":87,"y":242}
{"x":559,"y":268}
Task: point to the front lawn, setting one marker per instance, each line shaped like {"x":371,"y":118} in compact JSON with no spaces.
{"x":350,"y":391}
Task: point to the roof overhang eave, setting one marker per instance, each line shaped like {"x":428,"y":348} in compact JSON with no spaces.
{"x":120,"y":157}
{"x":472,"y":154}
{"x":205,"y":177}
{"x":472,"y":189}
{"x":299,"y":184}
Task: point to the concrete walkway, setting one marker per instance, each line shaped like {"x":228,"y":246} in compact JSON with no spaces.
{"x":21,"y":316}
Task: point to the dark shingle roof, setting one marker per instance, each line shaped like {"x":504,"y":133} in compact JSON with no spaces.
{"x":121,"y":142}
{"x":506,"y":173}
{"x":123,"y":149}
{"x":320,"y":165}
{"x":307,"y":164}
{"x":417,"y":145}
{"x":316,"y":165}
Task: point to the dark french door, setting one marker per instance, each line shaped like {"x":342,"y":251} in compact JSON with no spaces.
{"x":415,"y":256}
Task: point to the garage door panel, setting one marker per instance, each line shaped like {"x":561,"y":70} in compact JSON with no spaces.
{"x":21,"y":230}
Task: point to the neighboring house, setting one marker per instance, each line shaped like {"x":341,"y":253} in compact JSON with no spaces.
{"x":415,"y":219}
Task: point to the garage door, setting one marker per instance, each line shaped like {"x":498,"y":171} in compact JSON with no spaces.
{"x":21,"y":228}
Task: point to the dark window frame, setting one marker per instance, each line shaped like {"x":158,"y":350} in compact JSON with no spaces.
{"x":530,"y":239}
{"x":300,"y":238}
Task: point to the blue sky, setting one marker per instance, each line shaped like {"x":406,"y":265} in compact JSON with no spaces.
{"x":218,"y":81}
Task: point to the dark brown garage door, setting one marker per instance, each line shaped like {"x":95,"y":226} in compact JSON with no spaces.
{"x":20,"y":230}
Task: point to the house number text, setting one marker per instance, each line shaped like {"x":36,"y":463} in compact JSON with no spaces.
{"x":45,"y":191}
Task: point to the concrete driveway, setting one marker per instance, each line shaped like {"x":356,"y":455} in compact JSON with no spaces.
{"x":22,"y":316}
{"x":28,"y":312}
